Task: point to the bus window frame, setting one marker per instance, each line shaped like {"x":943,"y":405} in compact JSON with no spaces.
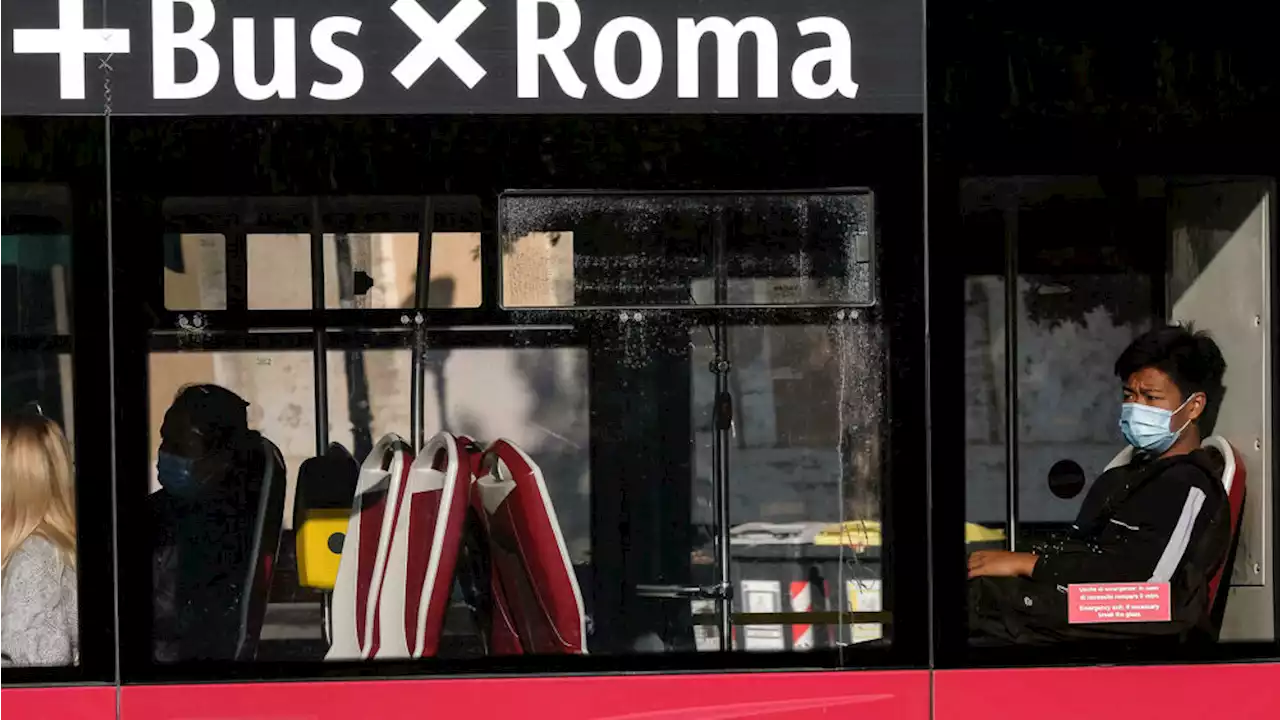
{"x":897,"y":185}
{"x":947,"y":272}
{"x":91,"y":382}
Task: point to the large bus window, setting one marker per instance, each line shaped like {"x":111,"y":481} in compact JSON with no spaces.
{"x":1096,"y":270}
{"x":41,"y":608}
{"x":693,"y":478}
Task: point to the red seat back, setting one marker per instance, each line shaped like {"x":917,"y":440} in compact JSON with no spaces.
{"x":538,"y":604}
{"x":1233,"y":481}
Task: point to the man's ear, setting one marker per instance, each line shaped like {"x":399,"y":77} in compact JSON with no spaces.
{"x":1196,"y":407}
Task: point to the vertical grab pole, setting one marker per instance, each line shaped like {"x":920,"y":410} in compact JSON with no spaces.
{"x":421,"y":300}
{"x":1011,"y":364}
{"x":320,"y":349}
{"x":722,"y":413}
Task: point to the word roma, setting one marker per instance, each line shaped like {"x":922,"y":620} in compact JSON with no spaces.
{"x":440,"y":41}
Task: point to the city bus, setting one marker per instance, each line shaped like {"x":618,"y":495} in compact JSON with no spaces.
{"x":756,"y":318}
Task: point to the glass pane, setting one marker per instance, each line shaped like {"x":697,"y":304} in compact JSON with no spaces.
{"x":195,"y":271}
{"x":378,"y":270}
{"x":622,"y":250}
{"x":41,"y":608}
{"x":36,"y":259}
{"x":1097,"y":519}
{"x":1071,"y":330}
{"x":279,"y":271}
{"x":804,"y":468}
{"x":37,"y":283}
{"x":986,"y":472}
{"x":40,"y":381}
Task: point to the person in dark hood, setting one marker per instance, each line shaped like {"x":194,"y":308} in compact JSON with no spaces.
{"x":1163,"y":518}
{"x":209,"y":466}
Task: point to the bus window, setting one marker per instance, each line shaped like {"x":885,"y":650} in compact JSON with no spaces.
{"x":195,"y":271}
{"x":368,"y":251}
{"x":804,"y":468}
{"x":41,"y":609}
{"x":679,"y":479}
{"x":279,"y":271}
{"x":772,"y":441}
{"x":37,"y":292}
{"x":1079,"y":280}
{"x":378,"y":270}
{"x":602,"y":250}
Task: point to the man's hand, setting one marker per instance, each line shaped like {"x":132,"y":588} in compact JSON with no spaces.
{"x":1001,"y":563}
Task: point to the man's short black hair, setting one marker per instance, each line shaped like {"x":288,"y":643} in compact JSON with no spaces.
{"x":1191,"y":359}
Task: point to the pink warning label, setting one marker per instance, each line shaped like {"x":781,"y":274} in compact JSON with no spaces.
{"x":1118,"y":602}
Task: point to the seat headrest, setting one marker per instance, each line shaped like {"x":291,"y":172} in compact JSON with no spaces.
{"x":1223,"y":448}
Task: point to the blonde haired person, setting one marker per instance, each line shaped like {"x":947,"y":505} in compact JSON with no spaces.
{"x":40,"y":614}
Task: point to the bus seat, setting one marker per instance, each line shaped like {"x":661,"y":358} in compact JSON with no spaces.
{"x":267,"y":528}
{"x":321,"y":505}
{"x":1233,"y":481}
{"x":531,"y":564}
{"x":424,"y":549}
{"x":481,"y":574}
{"x":357,"y":591}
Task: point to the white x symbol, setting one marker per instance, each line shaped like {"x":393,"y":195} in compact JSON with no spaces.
{"x":438,"y":41}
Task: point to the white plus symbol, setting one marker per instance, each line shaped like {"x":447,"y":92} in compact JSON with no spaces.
{"x":71,"y":41}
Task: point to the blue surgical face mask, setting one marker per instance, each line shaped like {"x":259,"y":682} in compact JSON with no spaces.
{"x":1147,"y":428}
{"x":176,"y":474}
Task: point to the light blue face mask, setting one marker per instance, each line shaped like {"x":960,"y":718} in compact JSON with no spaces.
{"x":1147,"y":428}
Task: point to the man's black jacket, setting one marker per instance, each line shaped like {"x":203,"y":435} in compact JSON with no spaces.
{"x":1163,"y":520}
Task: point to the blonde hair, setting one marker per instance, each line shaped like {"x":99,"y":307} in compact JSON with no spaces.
{"x":37,"y":487}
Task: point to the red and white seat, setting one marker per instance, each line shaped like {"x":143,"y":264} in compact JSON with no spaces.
{"x":1233,"y":481}
{"x":357,"y":594}
{"x":538,"y":606}
{"x":424,"y":551}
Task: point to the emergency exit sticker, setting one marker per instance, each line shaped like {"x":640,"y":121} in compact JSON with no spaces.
{"x":1118,"y":602}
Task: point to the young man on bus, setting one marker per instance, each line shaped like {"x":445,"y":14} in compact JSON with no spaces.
{"x":1162,"y":518}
